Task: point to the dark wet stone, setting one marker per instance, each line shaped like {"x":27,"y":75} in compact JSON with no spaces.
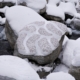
{"x":49,"y":17}
{"x":3,"y":4}
{"x":2,"y":14}
{"x":74,"y":36}
{"x":5,"y":48}
{"x":67,"y":16}
{"x":4,"y":45}
{"x":43,"y":74}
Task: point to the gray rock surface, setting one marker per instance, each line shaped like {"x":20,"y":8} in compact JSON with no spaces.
{"x":10,"y":35}
{"x":75,"y":71}
{"x":51,"y":54}
{"x":50,"y":17}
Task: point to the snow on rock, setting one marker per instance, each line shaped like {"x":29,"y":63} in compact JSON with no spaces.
{"x":61,"y":68}
{"x":68,"y":8}
{"x":71,"y":53}
{"x":19,"y":16}
{"x":40,"y":68}
{"x":55,"y":11}
{"x":70,"y":31}
{"x":36,"y":5}
{"x":40,"y":38}
{"x":3,"y":10}
{"x":41,"y":41}
{"x":16,"y":68}
{"x":60,"y":76}
{"x":53,"y":2}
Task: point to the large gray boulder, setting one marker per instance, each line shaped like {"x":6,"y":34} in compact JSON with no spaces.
{"x":40,"y":41}
{"x":15,"y":23}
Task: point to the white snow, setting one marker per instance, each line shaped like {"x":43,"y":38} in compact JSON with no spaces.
{"x":61,"y":68}
{"x":39,"y":68}
{"x":53,"y":2}
{"x":19,"y":16}
{"x":3,"y":10}
{"x":69,"y":31}
{"x":2,"y":20}
{"x":68,"y":8}
{"x":13,"y":1}
{"x":17,"y":68}
{"x":55,"y":11}
{"x":68,"y":21}
{"x":59,"y":76}
{"x":34,"y":4}
{"x":71,"y":53}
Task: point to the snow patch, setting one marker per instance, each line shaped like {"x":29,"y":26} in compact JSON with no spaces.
{"x":17,"y":68}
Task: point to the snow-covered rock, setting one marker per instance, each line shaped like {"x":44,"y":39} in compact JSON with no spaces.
{"x":60,"y":76}
{"x":16,"y":68}
{"x":17,"y":17}
{"x":53,"y":2}
{"x":74,"y":23}
{"x":37,"y":5}
{"x":68,"y":8}
{"x":43,"y":71}
{"x":41,"y":41}
{"x":53,"y":10}
{"x":71,"y":53}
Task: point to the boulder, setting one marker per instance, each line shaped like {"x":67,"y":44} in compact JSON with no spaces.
{"x":40,"y":8}
{"x":15,"y":68}
{"x":40,"y":41}
{"x":16,"y":20}
{"x":10,"y":35}
{"x":75,"y":71}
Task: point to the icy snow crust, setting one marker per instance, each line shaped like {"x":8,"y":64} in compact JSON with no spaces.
{"x":40,"y":38}
{"x":19,"y":16}
{"x":17,"y":68}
